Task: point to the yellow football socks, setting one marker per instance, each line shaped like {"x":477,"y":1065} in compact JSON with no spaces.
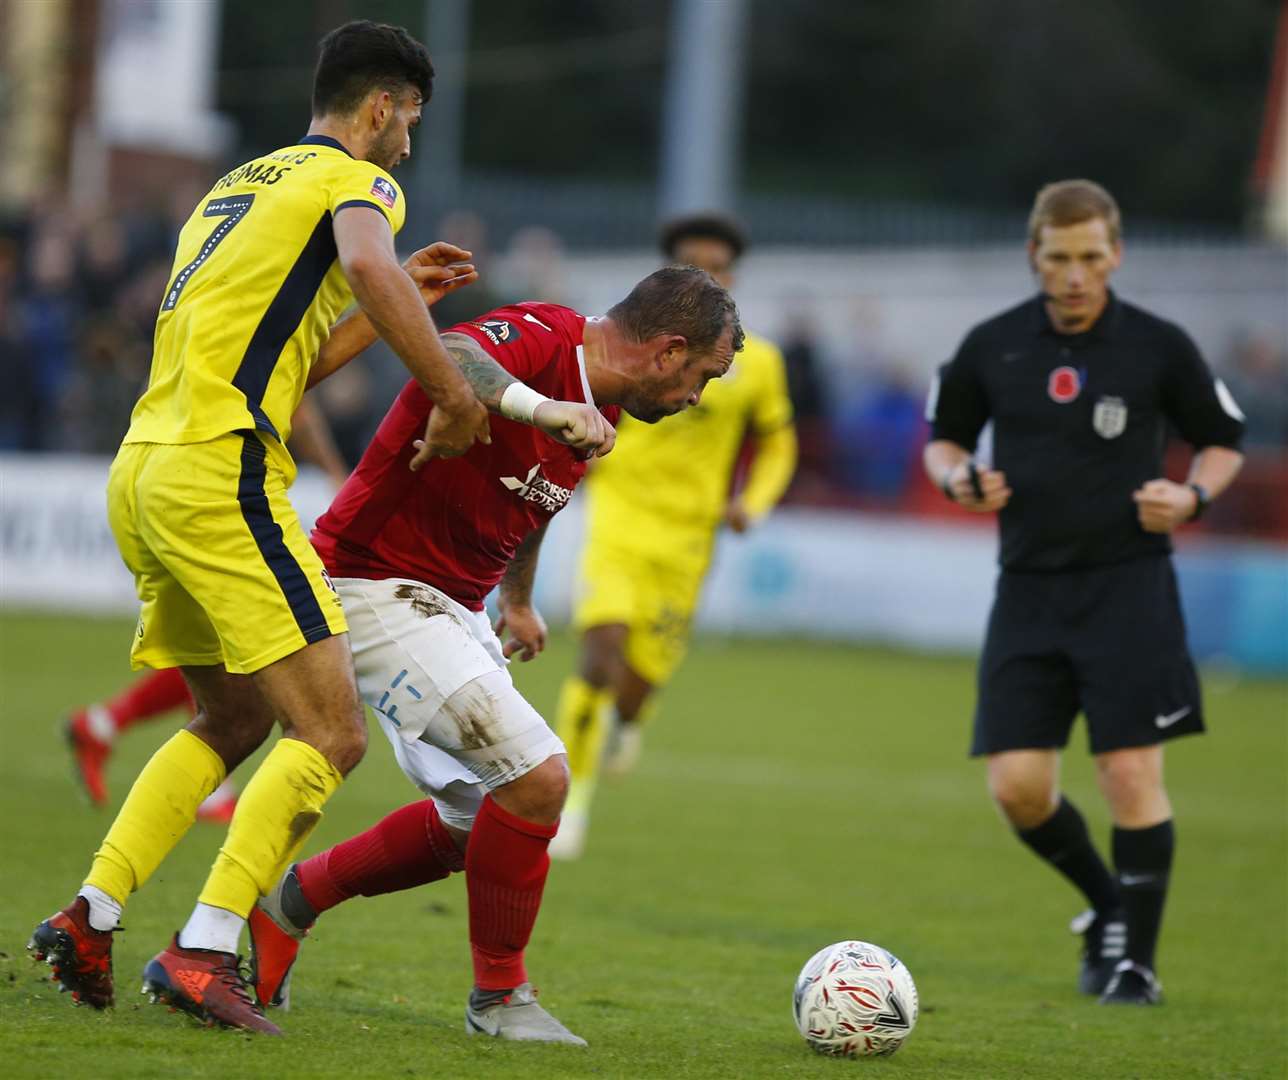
{"x":274,"y":816}
{"x":582,"y":718}
{"x":160,"y":808}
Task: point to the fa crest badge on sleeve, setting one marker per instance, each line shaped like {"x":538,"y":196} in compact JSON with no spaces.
{"x":1109,"y":417}
{"x":383,"y":190}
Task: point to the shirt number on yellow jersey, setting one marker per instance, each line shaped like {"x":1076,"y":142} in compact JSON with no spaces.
{"x":232,"y":209}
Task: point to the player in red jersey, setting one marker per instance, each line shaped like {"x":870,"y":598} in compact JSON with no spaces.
{"x":413,"y":555}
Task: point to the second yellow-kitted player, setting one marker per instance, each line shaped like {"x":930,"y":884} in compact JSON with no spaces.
{"x":654,"y":509}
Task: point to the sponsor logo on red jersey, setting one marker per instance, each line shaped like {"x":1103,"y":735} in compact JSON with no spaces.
{"x":535,"y":488}
{"x":498,"y":331}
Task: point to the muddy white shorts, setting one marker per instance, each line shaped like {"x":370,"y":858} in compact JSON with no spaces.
{"x":436,"y":676}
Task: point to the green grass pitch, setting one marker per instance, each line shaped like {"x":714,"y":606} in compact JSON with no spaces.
{"x":790,"y":795}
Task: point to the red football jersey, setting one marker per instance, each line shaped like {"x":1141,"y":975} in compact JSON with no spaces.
{"x":456,"y":523}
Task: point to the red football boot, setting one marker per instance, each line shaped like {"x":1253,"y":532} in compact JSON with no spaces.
{"x":89,"y":755}
{"x":206,"y":984}
{"x":80,"y":955}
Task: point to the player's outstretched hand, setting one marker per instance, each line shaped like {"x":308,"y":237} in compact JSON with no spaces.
{"x":1162,"y":505}
{"x":527,"y":630}
{"x":451,"y":430}
{"x":980,"y":490}
{"x":575,"y":424}
{"x":440,"y":268}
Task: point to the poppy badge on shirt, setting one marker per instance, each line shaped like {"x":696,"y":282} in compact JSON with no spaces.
{"x":1063,"y":385}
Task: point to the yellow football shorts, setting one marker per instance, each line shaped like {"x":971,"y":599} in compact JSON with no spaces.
{"x":654,"y":599}
{"x":224,"y":571}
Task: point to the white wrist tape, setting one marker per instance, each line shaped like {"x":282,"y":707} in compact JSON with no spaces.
{"x":519,"y":401}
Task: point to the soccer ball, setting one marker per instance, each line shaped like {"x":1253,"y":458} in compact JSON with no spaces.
{"x":854,"y":999}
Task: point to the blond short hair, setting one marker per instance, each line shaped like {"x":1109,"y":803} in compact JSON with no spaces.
{"x":1071,"y":202}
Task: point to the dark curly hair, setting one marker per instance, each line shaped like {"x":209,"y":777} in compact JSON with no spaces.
{"x":707,"y":225}
{"x":362,"y":56}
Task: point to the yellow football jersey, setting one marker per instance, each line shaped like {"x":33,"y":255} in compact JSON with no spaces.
{"x":675,"y":475}
{"x":255,"y":289}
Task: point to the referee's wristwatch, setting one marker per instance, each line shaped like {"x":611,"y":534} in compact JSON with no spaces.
{"x":1201,"y":500}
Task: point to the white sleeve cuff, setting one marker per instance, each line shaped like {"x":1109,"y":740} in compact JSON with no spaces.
{"x":519,"y":402}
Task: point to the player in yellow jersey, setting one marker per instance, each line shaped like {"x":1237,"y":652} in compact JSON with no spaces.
{"x":231,"y":591}
{"x":653,"y":510}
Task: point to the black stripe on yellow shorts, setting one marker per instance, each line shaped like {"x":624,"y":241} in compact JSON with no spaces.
{"x":291,"y":578}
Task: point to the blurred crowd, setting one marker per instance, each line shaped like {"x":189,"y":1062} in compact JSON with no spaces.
{"x":78,"y":301}
{"x":79,"y":294}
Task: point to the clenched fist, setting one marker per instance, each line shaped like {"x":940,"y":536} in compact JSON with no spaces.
{"x":575,"y":424}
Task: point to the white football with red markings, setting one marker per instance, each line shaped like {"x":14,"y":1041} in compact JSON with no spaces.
{"x":854,"y":999}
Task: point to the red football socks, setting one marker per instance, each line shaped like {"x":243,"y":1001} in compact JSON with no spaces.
{"x":505,"y":869}
{"x":410,"y":847}
{"x":154,"y":693}
{"x":505,"y":872}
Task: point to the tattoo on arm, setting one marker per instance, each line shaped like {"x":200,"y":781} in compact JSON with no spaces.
{"x":488,"y":378}
{"x":516,"y":584}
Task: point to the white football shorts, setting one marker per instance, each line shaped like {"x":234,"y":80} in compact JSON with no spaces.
{"x":435,"y":675}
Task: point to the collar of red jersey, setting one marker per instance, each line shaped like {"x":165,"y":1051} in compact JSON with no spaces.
{"x":585,"y":381}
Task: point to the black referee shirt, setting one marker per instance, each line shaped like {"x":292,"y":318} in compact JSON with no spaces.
{"x":1080,"y":421}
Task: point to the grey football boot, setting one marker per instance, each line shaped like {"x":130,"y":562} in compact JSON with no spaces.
{"x":277,"y":924}
{"x":515,"y":1016}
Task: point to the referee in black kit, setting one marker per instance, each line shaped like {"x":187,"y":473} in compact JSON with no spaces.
{"x":1081,"y":388}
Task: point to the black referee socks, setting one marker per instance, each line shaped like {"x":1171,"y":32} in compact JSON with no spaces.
{"x":1144,"y":861}
{"x":1063,"y":841}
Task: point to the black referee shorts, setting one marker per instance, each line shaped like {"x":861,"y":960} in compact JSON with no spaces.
{"x":1107,"y":641}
